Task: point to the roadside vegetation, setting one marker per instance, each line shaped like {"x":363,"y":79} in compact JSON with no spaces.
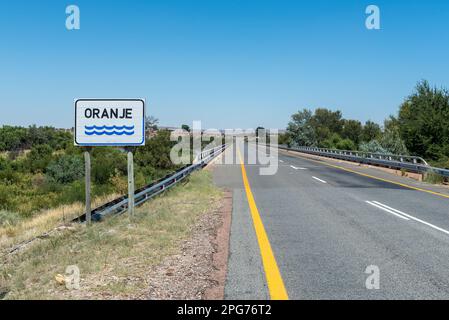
{"x":40,"y":169}
{"x":421,"y":128}
{"x":114,"y":257}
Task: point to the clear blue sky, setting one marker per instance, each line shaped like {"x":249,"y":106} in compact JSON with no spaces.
{"x":228,"y":63}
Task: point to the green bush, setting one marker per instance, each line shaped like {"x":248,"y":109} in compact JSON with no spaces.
{"x":105,"y":162}
{"x":331,"y":142}
{"x":372,"y":146}
{"x":156,"y":152}
{"x":346,"y":144}
{"x":66,"y":169}
{"x":39,"y":157}
{"x":8,"y":175}
{"x":73,"y":192}
{"x":5,"y":197}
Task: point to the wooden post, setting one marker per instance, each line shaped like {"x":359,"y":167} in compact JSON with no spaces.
{"x":130,"y":183}
{"x":87,"y":175}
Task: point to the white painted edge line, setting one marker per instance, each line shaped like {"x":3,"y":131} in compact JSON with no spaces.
{"x":281,"y":161}
{"x":318,"y":179}
{"x":387,"y":210}
{"x":413,"y":218}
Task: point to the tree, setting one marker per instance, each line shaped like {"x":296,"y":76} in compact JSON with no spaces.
{"x":331,"y":142}
{"x":424,"y":122}
{"x":346,"y":144}
{"x":12,"y":138}
{"x":300,"y":129}
{"x":151,"y":123}
{"x":352,"y":129}
{"x":325,"y":122}
{"x":391,"y":138}
{"x":285,"y":139}
{"x":392,"y":142}
{"x":156,"y":152}
{"x":370,"y":131}
{"x":185,"y":127}
{"x":372,"y":146}
{"x":18,"y":138}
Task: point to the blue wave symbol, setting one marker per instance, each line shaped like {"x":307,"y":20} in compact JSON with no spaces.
{"x":94,"y":127}
{"x":109,"y":133}
{"x":109,"y":130}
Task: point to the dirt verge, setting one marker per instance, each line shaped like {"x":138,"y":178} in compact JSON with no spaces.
{"x":199,"y":270}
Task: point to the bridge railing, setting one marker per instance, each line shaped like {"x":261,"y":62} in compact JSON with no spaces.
{"x":392,"y":161}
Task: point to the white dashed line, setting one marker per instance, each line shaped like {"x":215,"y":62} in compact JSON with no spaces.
{"x":318,"y":179}
{"x":298,"y":168}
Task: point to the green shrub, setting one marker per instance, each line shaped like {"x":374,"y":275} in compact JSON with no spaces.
{"x":105,"y":162}
{"x":3,"y":163}
{"x":73,"y":192}
{"x":39,"y":157}
{"x":66,"y":169}
{"x":346,"y":144}
{"x":5,"y":197}
{"x":331,"y":142}
{"x":372,"y":146}
{"x":8,"y":175}
{"x":156,"y":152}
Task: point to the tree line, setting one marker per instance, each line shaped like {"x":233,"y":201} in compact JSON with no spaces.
{"x":15,"y":138}
{"x":420,"y":128}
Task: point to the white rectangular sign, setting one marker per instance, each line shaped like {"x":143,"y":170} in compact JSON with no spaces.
{"x":110,"y":122}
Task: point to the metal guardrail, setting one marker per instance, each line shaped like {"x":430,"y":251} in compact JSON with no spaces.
{"x":398,"y":162}
{"x":120,"y":205}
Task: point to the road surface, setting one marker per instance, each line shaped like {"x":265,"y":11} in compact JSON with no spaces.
{"x":325,"y":226}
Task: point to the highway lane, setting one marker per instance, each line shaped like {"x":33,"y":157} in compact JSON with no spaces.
{"x":324,"y":234}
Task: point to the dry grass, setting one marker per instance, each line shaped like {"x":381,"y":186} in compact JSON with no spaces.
{"x":11,"y":235}
{"x":114,"y":256}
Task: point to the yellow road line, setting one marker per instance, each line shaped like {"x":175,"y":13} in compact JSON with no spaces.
{"x":274,"y":279}
{"x":377,"y":178}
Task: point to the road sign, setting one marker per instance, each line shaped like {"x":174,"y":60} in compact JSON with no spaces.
{"x":109,"y":122}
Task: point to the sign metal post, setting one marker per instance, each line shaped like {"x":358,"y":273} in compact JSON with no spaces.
{"x":87,"y":168}
{"x":130,"y":183}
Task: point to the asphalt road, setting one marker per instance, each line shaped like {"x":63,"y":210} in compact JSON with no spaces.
{"x":326,"y":226}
